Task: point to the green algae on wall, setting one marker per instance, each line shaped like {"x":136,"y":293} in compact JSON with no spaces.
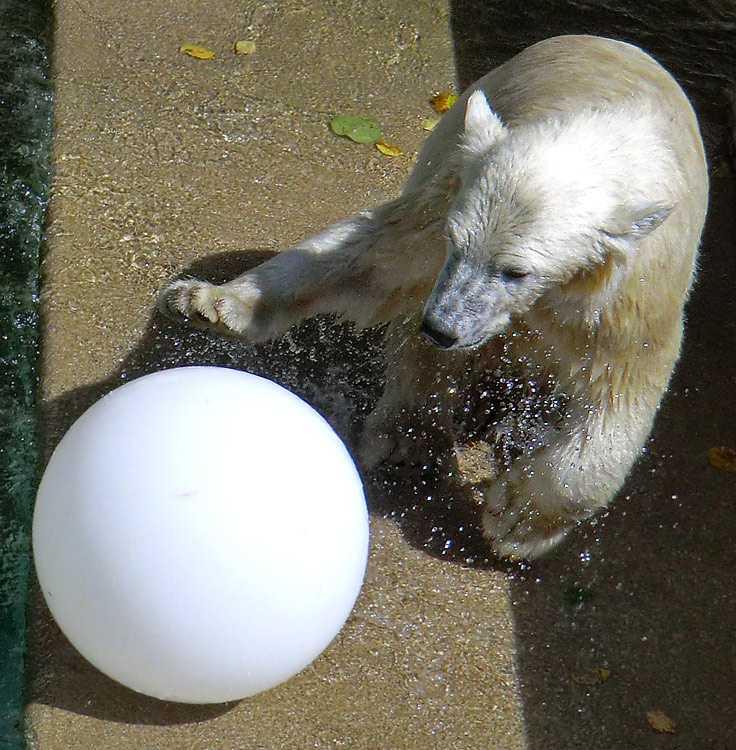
{"x":25,"y":114}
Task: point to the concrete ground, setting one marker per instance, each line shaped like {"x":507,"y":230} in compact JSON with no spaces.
{"x":164,"y":163}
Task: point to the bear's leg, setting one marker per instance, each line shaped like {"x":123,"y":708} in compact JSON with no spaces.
{"x":368,"y":268}
{"x":532,"y":506}
{"x":411,"y":423}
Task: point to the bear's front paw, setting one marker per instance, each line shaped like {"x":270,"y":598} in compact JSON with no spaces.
{"x":375,"y":448}
{"x":393,"y":438}
{"x":394,"y":446}
{"x":212,"y":308}
{"x":525,"y":516}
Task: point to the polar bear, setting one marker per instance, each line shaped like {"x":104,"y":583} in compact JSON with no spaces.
{"x":546,"y":243}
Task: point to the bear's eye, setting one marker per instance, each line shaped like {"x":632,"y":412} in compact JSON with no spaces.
{"x":513,"y":273}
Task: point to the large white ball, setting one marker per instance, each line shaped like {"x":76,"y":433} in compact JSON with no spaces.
{"x":200,"y":534}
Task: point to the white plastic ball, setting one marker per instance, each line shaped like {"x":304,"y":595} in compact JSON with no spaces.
{"x":200,"y":534}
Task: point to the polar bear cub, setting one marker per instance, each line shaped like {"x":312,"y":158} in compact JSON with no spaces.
{"x":547,"y":238}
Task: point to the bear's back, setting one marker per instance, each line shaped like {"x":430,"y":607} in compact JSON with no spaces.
{"x":565,"y":75}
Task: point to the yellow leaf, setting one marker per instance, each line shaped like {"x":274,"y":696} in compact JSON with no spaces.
{"x":429,"y":123}
{"x":593,"y":677}
{"x":194,"y":50}
{"x":660,"y":722}
{"x":245,"y":48}
{"x":723,"y":457}
{"x":442,"y":102}
{"x":388,"y":149}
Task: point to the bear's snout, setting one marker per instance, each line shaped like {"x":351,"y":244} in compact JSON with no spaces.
{"x":434,"y":332}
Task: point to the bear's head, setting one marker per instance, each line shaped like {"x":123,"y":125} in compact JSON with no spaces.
{"x":540,"y":204}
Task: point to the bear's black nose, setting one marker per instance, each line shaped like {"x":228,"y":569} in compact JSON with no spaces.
{"x":441,"y":339}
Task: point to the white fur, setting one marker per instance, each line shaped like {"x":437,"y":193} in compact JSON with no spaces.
{"x":547,"y":234}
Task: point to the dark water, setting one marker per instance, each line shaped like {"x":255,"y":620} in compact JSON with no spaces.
{"x":25,"y":109}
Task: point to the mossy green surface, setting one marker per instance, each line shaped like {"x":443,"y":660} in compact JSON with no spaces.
{"x":25,"y":116}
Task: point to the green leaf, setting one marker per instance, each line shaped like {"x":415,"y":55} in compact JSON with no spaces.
{"x":356,"y":128}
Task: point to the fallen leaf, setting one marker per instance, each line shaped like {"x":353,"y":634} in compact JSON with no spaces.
{"x":593,"y":677}
{"x":660,"y":722}
{"x":194,"y":50}
{"x":245,"y":48}
{"x":442,"y":102}
{"x":429,"y":123}
{"x":356,"y":128}
{"x":388,"y":149}
{"x":723,"y":457}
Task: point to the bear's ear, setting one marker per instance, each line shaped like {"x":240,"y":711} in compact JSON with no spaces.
{"x":630,"y":223}
{"x":483,"y":127}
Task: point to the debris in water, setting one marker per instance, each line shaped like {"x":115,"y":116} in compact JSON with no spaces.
{"x":195,"y":50}
{"x":592,"y":677}
{"x":723,"y":457}
{"x":660,"y":722}
{"x":577,"y":596}
{"x":245,"y":47}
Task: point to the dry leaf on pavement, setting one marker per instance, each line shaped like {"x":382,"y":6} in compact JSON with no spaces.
{"x":660,"y":722}
{"x":723,"y":457}
{"x":442,"y":102}
{"x":195,"y":50}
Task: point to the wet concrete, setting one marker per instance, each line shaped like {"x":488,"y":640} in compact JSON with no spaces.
{"x":162,"y":161}
{"x":165,"y":163}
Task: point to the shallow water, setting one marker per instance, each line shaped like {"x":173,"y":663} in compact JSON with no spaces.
{"x":25,"y":109}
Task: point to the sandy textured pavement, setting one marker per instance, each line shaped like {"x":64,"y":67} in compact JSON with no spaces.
{"x":161,"y":160}
{"x":164,"y":162}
